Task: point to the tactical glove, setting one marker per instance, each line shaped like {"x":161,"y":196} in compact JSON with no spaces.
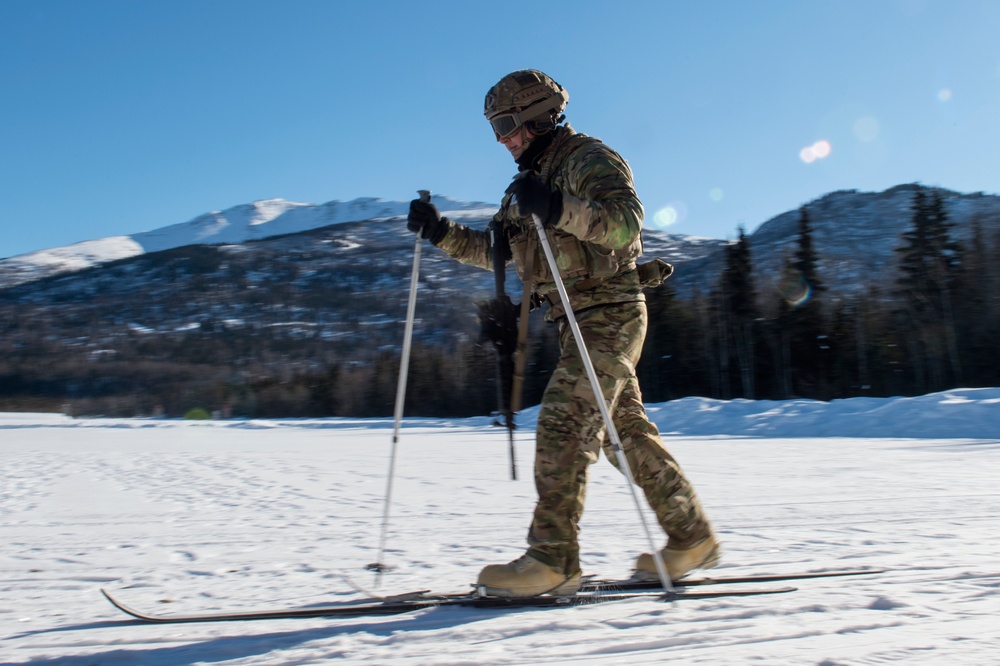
{"x":425,"y":220}
{"x":534,"y":197}
{"x":498,"y":323}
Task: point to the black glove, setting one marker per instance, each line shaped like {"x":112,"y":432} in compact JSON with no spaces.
{"x":535,"y":198}
{"x":498,"y":324}
{"x":425,"y":220}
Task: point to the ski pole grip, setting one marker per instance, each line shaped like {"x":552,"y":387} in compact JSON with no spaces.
{"x":425,"y":195}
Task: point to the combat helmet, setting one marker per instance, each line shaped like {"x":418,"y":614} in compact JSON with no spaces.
{"x":525,"y":98}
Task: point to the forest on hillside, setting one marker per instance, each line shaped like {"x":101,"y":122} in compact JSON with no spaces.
{"x":933,"y":327}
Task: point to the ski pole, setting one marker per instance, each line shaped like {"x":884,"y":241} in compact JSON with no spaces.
{"x":404,"y":366}
{"x":602,"y":405}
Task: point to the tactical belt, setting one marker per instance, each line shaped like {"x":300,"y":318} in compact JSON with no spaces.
{"x":589,"y":283}
{"x":651,"y":274}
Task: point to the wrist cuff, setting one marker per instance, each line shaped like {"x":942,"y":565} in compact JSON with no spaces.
{"x":440,"y":231}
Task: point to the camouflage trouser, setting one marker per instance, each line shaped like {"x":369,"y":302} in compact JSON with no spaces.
{"x":571,"y":433}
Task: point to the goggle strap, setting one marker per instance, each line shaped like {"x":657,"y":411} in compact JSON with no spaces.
{"x":521,"y":116}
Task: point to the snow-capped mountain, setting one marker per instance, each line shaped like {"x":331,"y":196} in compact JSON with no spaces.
{"x":855,"y":234}
{"x":239,"y":224}
{"x":276,"y":217}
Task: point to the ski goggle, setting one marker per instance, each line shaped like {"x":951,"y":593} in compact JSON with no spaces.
{"x":506,"y":124}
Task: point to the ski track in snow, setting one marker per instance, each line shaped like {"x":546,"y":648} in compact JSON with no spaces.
{"x":181,"y":517}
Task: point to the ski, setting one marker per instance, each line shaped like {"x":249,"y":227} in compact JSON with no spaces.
{"x":592,"y":591}
{"x":593,"y":584}
{"x":603,"y":584}
{"x":368,"y":608}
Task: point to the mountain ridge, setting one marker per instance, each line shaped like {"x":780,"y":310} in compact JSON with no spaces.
{"x":257,"y":220}
{"x":855,"y":234}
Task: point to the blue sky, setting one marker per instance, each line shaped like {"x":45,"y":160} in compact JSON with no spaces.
{"x":120,"y":116}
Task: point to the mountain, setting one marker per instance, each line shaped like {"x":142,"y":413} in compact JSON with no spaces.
{"x":354,"y":272}
{"x":239,"y":224}
{"x":249,"y":306}
{"x":190,"y":323}
{"x":855,"y":235}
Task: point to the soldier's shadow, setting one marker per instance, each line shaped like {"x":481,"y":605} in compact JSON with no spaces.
{"x":243,"y":642}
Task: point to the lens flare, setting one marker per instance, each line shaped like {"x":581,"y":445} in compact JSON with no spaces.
{"x":794,"y":289}
{"x":665,"y":217}
{"x":715,"y":194}
{"x":669,"y":215}
{"x":817,"y":151}
{"x":866,"y":129}
{"x":795,"y":300}
{"x":944,"y":94}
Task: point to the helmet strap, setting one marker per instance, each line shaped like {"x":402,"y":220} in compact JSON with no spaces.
{"x":539,"y":126}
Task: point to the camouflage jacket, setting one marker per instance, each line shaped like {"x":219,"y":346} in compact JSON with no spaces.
{"x":595,"y":241}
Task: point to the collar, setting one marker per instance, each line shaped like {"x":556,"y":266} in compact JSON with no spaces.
{"x":532,"y":156}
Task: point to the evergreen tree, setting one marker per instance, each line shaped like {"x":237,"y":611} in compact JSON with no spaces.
{"x":977,"y":299}
{"x":929,"y":262}
{"x":715,"y":326}
{"x":739,"y":311}
{"x":671,"y":366}
{"x":802,"y":342}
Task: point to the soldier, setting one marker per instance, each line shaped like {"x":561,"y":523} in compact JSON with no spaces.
{"x":583,"y":192}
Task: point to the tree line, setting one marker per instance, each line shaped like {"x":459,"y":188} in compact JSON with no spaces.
{"x":932,"y":328}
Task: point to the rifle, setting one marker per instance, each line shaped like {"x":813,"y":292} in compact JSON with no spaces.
{"x":499,"y":324}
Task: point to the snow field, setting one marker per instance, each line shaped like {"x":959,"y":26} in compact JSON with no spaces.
{"x":180,"y":517}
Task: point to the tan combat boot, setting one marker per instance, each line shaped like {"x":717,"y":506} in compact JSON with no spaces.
{"x":526,"y":577}
{"x":679,"y":563}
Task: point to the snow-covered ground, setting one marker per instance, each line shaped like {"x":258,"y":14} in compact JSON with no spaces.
{"x":179,"y":516}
